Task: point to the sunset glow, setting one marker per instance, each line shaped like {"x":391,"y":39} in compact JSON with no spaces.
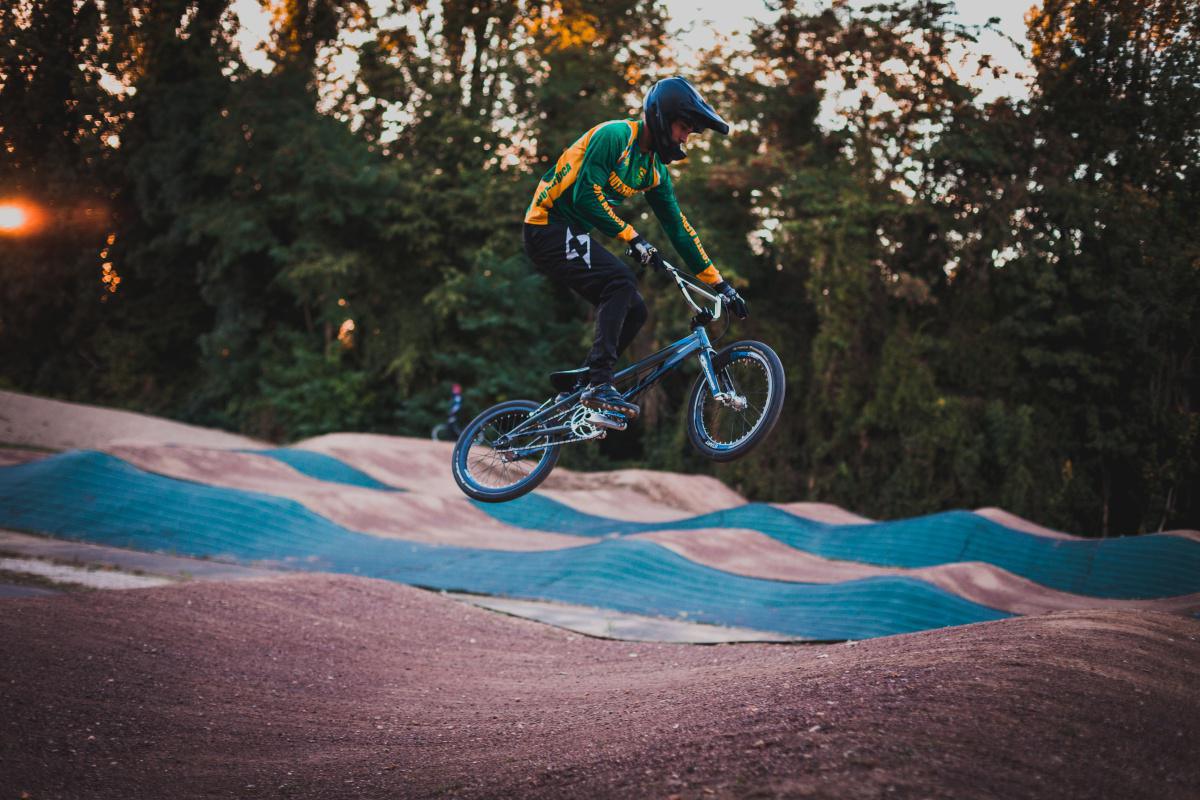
{"x":17,"y":217}
{"x":13,"y":217}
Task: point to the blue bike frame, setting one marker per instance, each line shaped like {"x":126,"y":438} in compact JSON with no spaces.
{"x":696,"y":343}
{"x":667,"y":359}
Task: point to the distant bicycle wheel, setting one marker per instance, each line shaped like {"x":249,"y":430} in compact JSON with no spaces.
{"x":443,"y":432}
{"x":493,"y":466}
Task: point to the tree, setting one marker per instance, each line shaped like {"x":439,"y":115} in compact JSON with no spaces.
{"x":57,"y":148}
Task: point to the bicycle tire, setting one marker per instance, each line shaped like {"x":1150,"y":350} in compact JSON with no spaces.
{"x":723,"y":434}
{"x":474,"y":476}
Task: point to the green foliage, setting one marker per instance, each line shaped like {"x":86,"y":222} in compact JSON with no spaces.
{"x":492,"y":336}
{"x":975,"y":304}
{"x":55,"y":121}
{"x":306,"y":391}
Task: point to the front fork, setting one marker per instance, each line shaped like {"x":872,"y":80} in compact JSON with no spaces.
{"x":721,"y":390}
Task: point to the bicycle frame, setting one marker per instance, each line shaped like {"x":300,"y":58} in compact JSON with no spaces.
{"x":696,"y":343}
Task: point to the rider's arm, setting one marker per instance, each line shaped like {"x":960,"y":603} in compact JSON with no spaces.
{"x":604,"y":150}
{"x":681,"y":233}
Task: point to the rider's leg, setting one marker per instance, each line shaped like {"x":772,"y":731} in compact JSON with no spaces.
{"x":612,"y":312}
{"x":619,"y":315}
{"x":604,"y":281}
{"x":635,"y":318}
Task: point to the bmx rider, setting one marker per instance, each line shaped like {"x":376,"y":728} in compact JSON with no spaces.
{"x":607,"y":164}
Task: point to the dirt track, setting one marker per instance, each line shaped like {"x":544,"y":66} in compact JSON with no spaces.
{"x":316,"y":686}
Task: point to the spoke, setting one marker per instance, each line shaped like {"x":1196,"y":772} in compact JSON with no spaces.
{"x":728,"y":426}
{"x":498,"y":469}
{"x":489,"y":467}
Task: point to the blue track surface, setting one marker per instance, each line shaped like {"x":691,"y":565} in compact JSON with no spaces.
{"x":324,"y":468}
{"x":95,"y":497}
{"x":1126,"y":568}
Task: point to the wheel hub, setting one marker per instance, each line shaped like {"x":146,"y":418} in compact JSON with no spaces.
{"x":731,"y":400}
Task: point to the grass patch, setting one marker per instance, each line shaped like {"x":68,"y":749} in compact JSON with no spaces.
{"x":35,"y":447}
{"x":39,"y":581}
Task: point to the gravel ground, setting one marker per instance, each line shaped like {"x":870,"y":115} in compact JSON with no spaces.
{"x":333,"y":686}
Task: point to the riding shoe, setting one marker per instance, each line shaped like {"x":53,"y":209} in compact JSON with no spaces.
{"x":605,"y":397}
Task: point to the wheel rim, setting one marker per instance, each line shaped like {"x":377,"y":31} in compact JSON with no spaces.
{"x":493,"y":467}
{"x":722,"y":427}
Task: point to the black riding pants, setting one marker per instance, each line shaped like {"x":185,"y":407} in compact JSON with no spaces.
{"x":576,"y":261}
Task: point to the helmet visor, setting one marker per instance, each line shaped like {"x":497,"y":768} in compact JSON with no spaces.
{"x":702,"y":117}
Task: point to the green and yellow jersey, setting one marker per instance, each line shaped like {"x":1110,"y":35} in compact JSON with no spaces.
{"x":596,"y":173}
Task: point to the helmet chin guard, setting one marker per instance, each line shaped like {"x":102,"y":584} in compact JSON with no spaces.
{"x":673,"y":99}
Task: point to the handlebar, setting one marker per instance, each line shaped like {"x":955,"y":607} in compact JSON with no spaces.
{"x":688,"y":286}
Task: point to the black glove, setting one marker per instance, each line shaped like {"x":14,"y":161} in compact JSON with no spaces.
{"x":645,"y":253}
{"x":733,"y":299}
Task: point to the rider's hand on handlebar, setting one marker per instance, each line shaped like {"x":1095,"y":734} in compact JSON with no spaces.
{"x":645,"y":252}
{"x":733,"y":299}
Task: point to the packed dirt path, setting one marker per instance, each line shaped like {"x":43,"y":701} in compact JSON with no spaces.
{"x":332,"y":686}
{"x":26,"y":419}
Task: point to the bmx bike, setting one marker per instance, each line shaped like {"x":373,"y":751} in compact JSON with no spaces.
{"x":510,"y":448}
{"x":449,"y":430}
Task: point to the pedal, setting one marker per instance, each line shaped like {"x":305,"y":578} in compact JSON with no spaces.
{"x":601,"y":419}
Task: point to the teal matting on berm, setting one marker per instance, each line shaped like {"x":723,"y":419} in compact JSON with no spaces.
{"x":95,"y":497}
{"x":1136,"y":567}
{"x":323,"y":467}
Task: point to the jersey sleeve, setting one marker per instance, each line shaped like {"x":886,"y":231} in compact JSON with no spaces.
{"x":681,"y":233}
{"x":603,"y":151}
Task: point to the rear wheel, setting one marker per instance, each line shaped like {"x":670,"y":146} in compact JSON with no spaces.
{"x":751,"y":377}
{"x":492,"y":465}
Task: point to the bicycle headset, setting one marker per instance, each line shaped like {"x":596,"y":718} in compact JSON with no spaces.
{"x":671,"y":99}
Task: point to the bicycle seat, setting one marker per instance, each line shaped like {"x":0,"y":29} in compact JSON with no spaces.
{"x":568,"y":380}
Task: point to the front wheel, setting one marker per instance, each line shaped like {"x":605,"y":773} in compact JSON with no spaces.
{"x":751,"y":380}
{"x":492,"y":465}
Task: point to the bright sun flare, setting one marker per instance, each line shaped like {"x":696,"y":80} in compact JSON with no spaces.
{"x":13,"y":217}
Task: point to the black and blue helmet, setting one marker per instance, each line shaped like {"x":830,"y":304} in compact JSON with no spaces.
{"x":671,"y":99}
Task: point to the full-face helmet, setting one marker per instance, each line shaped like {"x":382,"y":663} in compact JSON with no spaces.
{"x":672,"y":99}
